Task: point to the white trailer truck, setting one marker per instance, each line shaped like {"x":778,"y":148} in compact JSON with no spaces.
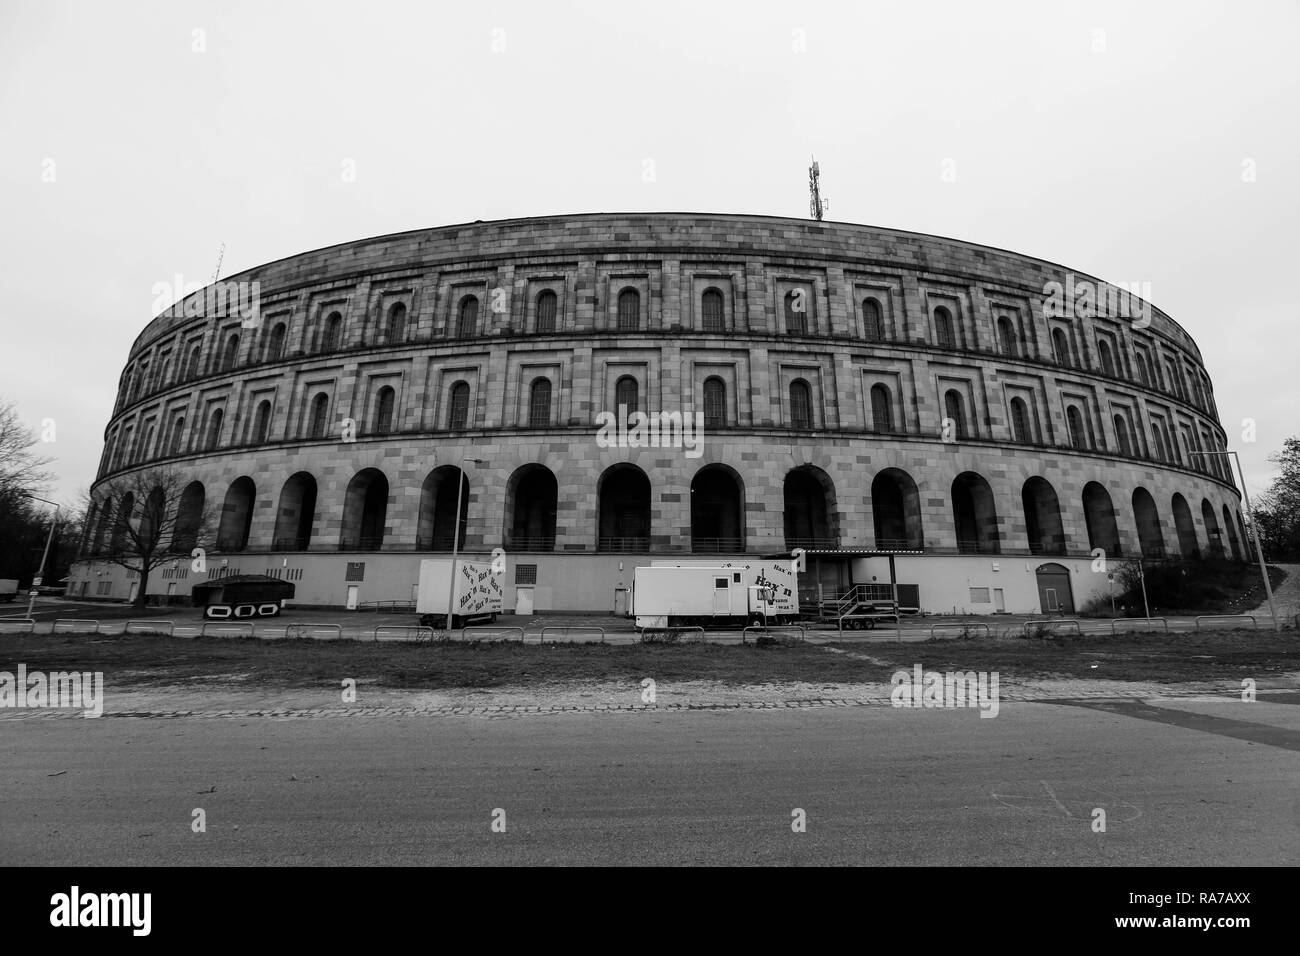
{"x":685,"y":593}
{"x":477,"y":597}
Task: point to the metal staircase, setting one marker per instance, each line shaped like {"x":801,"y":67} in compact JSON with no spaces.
{"x":860,"y":607}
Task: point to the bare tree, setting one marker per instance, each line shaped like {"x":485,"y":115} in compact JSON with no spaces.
{"x":20,"y":468}
{"x":148,"y":517}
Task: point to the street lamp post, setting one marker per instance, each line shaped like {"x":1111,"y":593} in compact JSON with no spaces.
{"x":31,"y":598}
{"x":1254,"y":527}
{"x":455,"y":536}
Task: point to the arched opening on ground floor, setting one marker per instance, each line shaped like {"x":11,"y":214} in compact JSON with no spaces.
{"x":974,"y":515}
{"x":437,"y":524}
{"x":236,"y":515}
{"x":296,"y":516}
{"x":809,"y":518}
{"x":623,"y":504}
{"x":896,"y":511}
{"x":717,"y":510}
{"x":1099,"y":516}
{"x":365,"y":511}
{"x":532,"y":498}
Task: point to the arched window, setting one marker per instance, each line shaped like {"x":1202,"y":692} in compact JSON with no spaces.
{"x":796,"y":312}
{"x":1060,"y":347}
{"x":539,"y":403}
{"x":384,"y":410}
{"x":714,"y":315}
{"x":177,"y":436}
{"x":467,"y":325}
{"x":715,"y":402}
{"x":214,"y":428}
{"x":1107,"y":360}
{"x":262,"y":422}
{"x":629,"y":310}
{"x":1007,"y":337}
{"x":396,"y":330}
{"x":546,"y":303}
{"x":955,"y":409}
{"x":274,"y":350}
{"x":800,"y":404}
{"x":458,"y":406}
{"x":1157,"y":443}
{"x":626,"y":392}
{"x":1074,"y":423}
{"x":882,"y":409}
{"x":943,"y":329}
{"x":1020,"y":430}
{"x":333,"y":338}
{"x":146,"y":445}
{"x":192,"y":370}
{"x":1121,"y":436}
{"x":1144,"y":373}
{"x":317,"y":422}
{"x":231,"y":353}
{"x":873,"y":321}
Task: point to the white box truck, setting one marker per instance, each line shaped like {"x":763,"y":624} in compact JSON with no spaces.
{"x":738,"y":593}
{"x":477,"y":597}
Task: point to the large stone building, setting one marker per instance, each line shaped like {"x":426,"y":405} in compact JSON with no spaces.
{"x":860,"y":390}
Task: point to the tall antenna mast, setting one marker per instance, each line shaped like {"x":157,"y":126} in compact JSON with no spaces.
{"x":222,"y":254}
{"x":816,"y":205}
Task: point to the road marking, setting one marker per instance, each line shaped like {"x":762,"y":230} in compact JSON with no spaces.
{"x":1052,"y":793}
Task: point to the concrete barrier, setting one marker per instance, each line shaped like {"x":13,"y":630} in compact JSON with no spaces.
{"x":421,"y":633}
{"x":72,"y":620}
{"x":151,"y":625}
{"x":1137,"y":620}
{"x":493,"y":629}
{"x":1050,"y":624}
{"x":964,"y":626}
{"x":642,"y":631}
{"x":20,"y":622}
{"x":227,"y":626}
{"x":566,"y":628}
{"x":305,"y":631}
{"x":1227,"y":617}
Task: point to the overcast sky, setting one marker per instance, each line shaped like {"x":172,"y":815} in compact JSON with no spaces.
{"x":1140,"y":142}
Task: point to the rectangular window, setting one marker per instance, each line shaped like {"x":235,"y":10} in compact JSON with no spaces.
{"x":356,"y":571}
{"x":979,"y":595}
{"x":525,"y":574}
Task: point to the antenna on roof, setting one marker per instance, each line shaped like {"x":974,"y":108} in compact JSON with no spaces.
{"x":816,"y":205}
{"x":222,"y":254}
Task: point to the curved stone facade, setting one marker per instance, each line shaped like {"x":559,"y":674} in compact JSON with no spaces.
{"x":858,"y":389}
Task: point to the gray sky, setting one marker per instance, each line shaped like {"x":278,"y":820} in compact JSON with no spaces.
{"x":1116,"y":138}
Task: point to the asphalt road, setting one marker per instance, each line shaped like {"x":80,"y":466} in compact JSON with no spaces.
{"x":1181,"y":781}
